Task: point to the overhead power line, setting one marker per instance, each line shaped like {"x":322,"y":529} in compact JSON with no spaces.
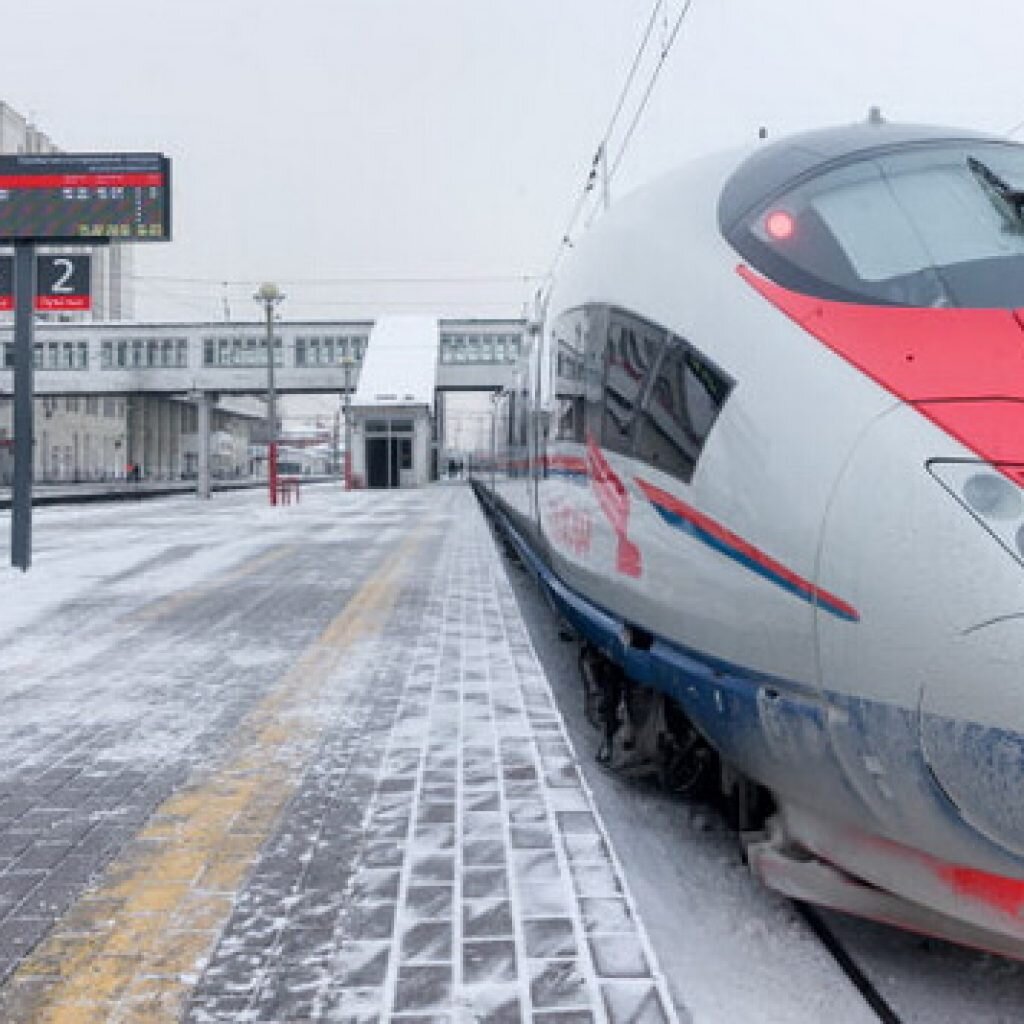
{"x":314,"y":282}
{"x":666,"y":50}
{"x":599,"y":164}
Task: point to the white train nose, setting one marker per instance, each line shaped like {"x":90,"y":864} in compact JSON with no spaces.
{"x":972,"y":729}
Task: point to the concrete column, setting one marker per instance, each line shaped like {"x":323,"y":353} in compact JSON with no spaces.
{"x":151,"y":459}
{"x":165,"y":438}
{"x":158,"y":436}
{"x":174,"y":440}
{"x":136,"y":432}
{"x":203,"y":486}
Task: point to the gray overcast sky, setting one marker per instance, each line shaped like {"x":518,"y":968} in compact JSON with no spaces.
{"x":325,"y":139}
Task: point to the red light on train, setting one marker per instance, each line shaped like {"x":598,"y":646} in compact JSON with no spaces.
{"x":779,"y":225}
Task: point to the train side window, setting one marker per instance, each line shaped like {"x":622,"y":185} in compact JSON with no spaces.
{"x":632,"y":349}
{"x":680,"y":409}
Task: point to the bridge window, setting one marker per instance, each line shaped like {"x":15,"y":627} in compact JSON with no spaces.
{"x":122,"y":354}
{"x":67,"y":355}
{"x":209,"y":352}
{"x":37,"y":357}
{"x":300,"y":351}
{"x":107,"y":355}
{"x":328,"y":352}
{"x":182,"y":351}
{"x":82,"y":355}
{"x":314,"y":351}
{"x":138,"y":353}
{"x":223,"y":351}
{"x":152,"y":352}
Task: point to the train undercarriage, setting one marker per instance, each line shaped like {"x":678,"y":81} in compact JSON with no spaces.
{"x":645,"y":734}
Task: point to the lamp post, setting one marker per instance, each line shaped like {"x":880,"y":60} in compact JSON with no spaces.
{"x":270,"y":295}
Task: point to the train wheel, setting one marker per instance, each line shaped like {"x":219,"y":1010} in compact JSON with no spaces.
{"x":684,"y":767}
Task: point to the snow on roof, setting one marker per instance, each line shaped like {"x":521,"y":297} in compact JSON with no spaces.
{"x":400,"y":364}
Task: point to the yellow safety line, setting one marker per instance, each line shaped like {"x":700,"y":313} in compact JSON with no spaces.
{"x":131,"y":949}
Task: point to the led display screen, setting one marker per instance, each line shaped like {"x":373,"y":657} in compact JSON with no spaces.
{"x":61,"y":197}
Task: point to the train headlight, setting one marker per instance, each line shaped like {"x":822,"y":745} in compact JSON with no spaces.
{"x":992,"y":498}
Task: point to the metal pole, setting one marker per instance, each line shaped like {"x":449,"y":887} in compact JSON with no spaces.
{"x":24,"y":325}
{"x":271,"y":396}
{"x":269,"y":294}
{"x":271,"y":405}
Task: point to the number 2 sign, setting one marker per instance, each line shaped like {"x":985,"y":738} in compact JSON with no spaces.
{"x":62,"y":282}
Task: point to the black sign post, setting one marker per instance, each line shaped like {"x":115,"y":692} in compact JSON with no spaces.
{"x":24,"y":321}
{"x":6,"y":282}
{"x":66,"y":199}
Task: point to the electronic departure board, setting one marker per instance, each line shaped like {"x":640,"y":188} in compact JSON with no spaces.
{"x":66,"y":197}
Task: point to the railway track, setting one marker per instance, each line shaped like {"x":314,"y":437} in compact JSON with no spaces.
{"x":872,"y":996}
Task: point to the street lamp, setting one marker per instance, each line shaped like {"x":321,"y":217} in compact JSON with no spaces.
{"x":270,"y":295}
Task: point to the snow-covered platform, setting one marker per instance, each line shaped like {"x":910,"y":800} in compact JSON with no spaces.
{"x":394,"y":828}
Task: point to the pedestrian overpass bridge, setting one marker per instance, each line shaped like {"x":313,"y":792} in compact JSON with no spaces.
{"x":231,"y":358}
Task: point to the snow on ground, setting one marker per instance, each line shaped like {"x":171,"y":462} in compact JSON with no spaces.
{"x":110,"y":579}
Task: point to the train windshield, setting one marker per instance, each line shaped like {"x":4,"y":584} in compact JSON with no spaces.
{"x":926,"y":226}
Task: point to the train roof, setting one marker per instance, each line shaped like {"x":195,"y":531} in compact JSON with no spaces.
{"x":778,"y":165}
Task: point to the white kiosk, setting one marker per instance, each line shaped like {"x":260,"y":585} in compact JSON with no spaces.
{"x":393,"y":406}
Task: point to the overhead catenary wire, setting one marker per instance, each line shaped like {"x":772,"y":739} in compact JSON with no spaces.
{"x":666,"y":50}
{"x":601,"y":154}
{"x":314,"y":282}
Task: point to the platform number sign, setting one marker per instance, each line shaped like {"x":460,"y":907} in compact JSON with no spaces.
{"x":62,"y":282}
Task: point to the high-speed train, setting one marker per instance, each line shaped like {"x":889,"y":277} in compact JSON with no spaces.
{"x":766,"y":453}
